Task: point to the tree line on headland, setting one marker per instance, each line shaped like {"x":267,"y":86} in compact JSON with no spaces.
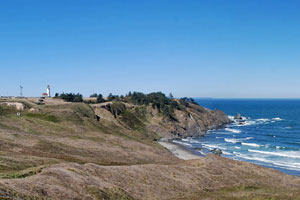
{"x":158,"y":100}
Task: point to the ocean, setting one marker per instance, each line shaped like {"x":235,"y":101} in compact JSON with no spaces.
{"x":269,"y":136}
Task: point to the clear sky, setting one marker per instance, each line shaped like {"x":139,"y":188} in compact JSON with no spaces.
{"x":225,"y":48}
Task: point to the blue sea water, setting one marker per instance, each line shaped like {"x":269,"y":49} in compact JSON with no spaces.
{"x":270,"y":135}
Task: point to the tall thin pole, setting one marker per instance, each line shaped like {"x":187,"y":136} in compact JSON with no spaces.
{"x":21,"y":92}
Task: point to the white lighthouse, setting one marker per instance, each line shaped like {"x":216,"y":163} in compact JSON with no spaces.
{"x":48,"y":91}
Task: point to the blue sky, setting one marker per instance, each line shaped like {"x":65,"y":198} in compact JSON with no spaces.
{"x":225,"y":48}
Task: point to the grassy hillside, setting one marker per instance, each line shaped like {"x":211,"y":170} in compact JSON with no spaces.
{"x":59,"y":150}
{"x":70,"y":133}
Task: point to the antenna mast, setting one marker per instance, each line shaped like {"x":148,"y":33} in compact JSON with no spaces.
{"x":21,"y":90}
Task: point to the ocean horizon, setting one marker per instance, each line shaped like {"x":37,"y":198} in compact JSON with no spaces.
{"x":269,"y":135}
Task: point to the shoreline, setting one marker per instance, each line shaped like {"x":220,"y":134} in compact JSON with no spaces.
{"x":179,"y":151}
{"x":185,"y":153}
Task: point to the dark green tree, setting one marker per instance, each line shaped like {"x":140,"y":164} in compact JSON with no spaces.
{"x":94,"y":95}
{"x":100,"y":99}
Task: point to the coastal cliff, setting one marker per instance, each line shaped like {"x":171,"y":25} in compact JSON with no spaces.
{"x":187,"y":119}
{"x":109,"y":150}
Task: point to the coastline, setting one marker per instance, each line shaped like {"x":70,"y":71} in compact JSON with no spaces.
{"x":185,"y":153}
{"x":179,"y":151}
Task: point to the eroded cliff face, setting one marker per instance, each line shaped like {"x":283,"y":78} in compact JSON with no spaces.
{"x":190,"y":120}
{"x":193,"y":121}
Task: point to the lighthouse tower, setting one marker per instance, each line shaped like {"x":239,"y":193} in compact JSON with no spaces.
{"x":48,"y":91}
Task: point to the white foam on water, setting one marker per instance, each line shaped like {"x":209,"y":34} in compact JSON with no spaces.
{"x":190,"y":140}
{"x":211,"y":147}
{"x":201,"y":152}
{"x":237,"y":140}
{"x":252,"y":158}
{"x":237,"y":147}
{"x":226,"y":153}
{"x":233,"y":130}
{"x":263,"y":120}
{"x":289,"y":154}
{"x":291,"y":166}
{"x":250,"y":144}
{"x":231,"y":117}
{"x":231,"y":140}
{"x":246,"y":123}
{"x":277,"y":119}
{"x":182,"y":143}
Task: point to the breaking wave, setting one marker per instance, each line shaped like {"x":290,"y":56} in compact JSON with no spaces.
{"x":233,"y":130}
{"x":289,"y":154}
{"x":233,"y":140}
{"x":250,"y":144}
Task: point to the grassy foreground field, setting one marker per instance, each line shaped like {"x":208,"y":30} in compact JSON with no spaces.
{"x":60,"y":151}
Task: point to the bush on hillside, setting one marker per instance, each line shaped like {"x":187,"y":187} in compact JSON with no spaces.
{"x":112,"y":97}
{"x":94,"y":95}
{"x":100,"y":98}
{"x":71,"y":97}
{"x":158,"y":100}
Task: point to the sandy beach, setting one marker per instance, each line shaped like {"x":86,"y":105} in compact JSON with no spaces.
{"x":179,"y":151}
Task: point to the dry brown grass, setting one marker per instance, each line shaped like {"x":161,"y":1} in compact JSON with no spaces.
{"x":208,"y":178}
{"x":77,"y":157}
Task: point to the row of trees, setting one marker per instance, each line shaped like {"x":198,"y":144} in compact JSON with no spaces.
{"x":99,"y":98}
{"x":111,"y":97}
{"x":158,"y":100}
{"x":70,"y":97}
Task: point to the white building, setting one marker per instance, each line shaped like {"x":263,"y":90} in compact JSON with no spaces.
{"x":48,"y":91}
{"x":47,"y":94}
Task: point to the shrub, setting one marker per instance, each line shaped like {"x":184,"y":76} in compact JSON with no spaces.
{"x":100,"y":99}
{"x":112,"y":97}
{"x":217,"y":152}
{"x":71,"y":97}
{"x":131,"y":120}
{"x":94,"y":95}
{"x":158,"y":100}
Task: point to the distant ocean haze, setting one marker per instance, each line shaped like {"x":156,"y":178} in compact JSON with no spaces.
{"x":270,"y":135}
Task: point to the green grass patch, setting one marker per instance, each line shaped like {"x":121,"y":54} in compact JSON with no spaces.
{"x":50,"y":118}
{"x":22,"y":174}
{"x":5,"y":110}
{"x":132,"y":121}
{"x":141,"y":113}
